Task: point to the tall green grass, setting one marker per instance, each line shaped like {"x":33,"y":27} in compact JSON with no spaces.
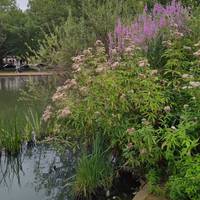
{"x":93,"y":172}
{"x":10,"y":137}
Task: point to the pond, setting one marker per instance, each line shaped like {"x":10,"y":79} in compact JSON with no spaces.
{"x":38,"y":173}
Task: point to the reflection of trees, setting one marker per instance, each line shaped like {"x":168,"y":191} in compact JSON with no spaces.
{"x":53,"y":178}
{"x":10,"y":167}
{"x":51,"y":171}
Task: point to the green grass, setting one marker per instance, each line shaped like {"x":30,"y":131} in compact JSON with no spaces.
{"x":17,"y":121}
{"x":93,"y":172}
{"x":10,"y":137}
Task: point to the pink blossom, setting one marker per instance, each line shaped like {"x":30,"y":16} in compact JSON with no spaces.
{"x":131,"y":130}
{"x":147,"y":26}
{"x":47,"y":113}
{"x":65,"y":113}
{"x":115,"y":65}
{"x":143,"y":63}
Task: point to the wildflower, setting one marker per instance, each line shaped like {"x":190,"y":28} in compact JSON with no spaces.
{"x":75,"y":66}
{"x":57,"y":96}
{"x":195,"y":84}
{"x":173,"y":127}
{"x":114,"y":65}
{"x":143,"y":63}
{"x":65,"y":112}
{"x":197,"y":44}
{"x":83,"y":90}
{"x":143,"y":76}
{"x":154,"y":72}
{"x":78,"y":70}
{"x":69,"y":84}
{"x":167,"y":108}
{"x":87,"y":52}
{"x":129,"y":50}
{"x":167,"y":43}
{"x":99,"y":70}
{"x":47,"y":114}
{"x":122,"y":97}
{"x":99,"y":43}
{"x":130,"y":145}
{"x":185,"y":106}
{"x":187,"y":48}
{"x":187,"y":76}
{"x":143,"y":151}
{"x":178,"y":34}
{"x":76,"y":59}
{"x":145,"y":122}
{"x":131,"y":130}
{"x":197,"y":53}
{"x":114,"y":52}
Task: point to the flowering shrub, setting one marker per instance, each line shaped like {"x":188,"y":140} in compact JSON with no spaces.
{"x":147,"y":26}
{"x":149,"y":115}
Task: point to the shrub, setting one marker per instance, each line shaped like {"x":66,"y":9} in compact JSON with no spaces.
{"x":147,"y":26}
{"x":148,"y":114}
{"x":185,"y":184}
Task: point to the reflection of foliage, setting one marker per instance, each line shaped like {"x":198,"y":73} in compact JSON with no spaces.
{"x":10,"y":168}
{"x":52,"y":172}
{"x":37,"y":92}
{"x":48,"y":172}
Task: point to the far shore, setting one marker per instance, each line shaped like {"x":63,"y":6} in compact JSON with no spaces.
{"x":8,"y":74}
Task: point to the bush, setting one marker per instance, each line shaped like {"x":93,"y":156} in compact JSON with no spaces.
{"x":93,"y":20}
{"x":148,"y":114}
{"x":185,"y":184}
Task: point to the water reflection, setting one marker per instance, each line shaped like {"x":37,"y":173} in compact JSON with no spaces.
{"x":16,"y":82}
{"x":37,"y":174}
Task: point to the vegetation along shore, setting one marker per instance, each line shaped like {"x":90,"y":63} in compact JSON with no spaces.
{"x":121,"y":93}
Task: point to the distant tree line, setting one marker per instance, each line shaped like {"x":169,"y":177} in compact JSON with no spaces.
{"x":20,"y":30}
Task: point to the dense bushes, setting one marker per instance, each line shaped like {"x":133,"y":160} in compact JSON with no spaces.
{"x":185,"y":184}
{"x":92,"y":20}
{"x":144,"y":101}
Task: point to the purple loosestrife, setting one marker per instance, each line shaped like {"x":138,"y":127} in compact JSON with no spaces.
{"x":147,"y":25}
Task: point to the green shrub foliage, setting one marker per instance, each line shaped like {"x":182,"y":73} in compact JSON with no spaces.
{"x":144,"y":102}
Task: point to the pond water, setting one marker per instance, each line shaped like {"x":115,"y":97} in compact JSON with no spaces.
{"x":40,"y":173}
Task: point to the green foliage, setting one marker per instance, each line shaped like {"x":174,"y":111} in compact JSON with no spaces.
{"x":93,"y":172}
{"x":33,"y":125}
{"x":185,"y":184}
{"x":57,"y":49}
{"x":153,"y":181}
{"x":92,"y":20}
{"x":33,"y":91}
{"x":147,"y":109}
{"x":179,"y":144}
{"x":156,"y":49}
{"x":10,"y":137}
{"x":142,"y":148}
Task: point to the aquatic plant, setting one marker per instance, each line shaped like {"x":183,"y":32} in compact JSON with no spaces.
{"x":33,"y":126}
{"x":93,"y":172}
{"x":10,"y":137}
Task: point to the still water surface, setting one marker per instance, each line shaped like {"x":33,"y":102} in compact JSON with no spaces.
{"x":40,"y":173}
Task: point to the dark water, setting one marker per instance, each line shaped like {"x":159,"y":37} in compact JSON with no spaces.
{"x":40,"y":173}
{"x":10,"y":88}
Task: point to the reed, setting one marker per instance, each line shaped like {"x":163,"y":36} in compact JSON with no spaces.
{"x":93,"y":172}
